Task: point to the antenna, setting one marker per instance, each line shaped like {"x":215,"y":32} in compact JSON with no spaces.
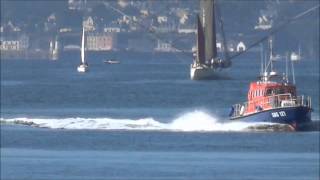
{"x":265,"y":62}
{"x":299,"y":51}
{"x":265,"y":73}
{"x":287,"y":57}
{"x":271,"y":53}
{"x":262,"y":60}
{"x":271,"y":58}
{"x":293,"y":76}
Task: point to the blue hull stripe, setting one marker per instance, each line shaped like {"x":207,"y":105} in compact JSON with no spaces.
{"x":286,"y":115}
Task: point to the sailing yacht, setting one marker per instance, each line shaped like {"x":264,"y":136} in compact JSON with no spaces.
{"x":206,"y":64}
{"x":83,"y":67}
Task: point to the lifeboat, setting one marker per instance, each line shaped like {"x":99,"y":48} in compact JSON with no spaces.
{"x":273,"y":99}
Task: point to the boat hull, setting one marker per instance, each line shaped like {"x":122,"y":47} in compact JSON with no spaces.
{"x":205,"y":73}
{"x":294,"y":116}
{"x":82,"y":68}
{"x":112,"y":62}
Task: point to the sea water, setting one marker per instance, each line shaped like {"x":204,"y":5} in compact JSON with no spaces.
{"x":144,"y":119}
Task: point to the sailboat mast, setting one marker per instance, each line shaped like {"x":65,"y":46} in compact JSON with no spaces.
{"x":82,"y":47}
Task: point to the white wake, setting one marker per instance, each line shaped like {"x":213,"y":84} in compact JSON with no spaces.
{"x":192,"y":121}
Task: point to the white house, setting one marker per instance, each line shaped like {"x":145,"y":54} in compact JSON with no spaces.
{"x":88,"y":24}
{"x":162,"y":19}
{"x":241,"y":47}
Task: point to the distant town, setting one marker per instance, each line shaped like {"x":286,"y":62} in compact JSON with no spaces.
{"x":122,"y":25}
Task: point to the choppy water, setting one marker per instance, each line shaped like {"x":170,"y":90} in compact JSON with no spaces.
{"x":180,"y":126}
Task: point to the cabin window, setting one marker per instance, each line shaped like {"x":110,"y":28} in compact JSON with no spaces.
{"x":269,"y":91}
{"x":281,"y":91}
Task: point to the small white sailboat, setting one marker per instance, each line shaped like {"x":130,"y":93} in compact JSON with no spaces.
{"x":83,"y":67}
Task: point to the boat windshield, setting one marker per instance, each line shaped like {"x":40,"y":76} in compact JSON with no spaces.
{"x":274,"y":91}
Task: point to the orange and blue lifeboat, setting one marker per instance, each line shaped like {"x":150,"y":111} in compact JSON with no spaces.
{"x":273,"y":102}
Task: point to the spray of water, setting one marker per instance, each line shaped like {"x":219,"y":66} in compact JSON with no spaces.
{"x":191,"y":121}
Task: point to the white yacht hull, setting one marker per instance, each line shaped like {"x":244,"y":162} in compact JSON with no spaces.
{"x":82,"y":68}
{"x":205,"y":73}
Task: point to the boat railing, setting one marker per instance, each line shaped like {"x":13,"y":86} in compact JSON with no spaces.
{"x":270,"y":102}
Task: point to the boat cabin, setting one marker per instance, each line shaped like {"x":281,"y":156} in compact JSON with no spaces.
{"x":266,"y":95}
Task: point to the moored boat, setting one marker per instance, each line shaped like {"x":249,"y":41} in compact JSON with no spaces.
{"x":111,"y":61}
{"x":274,"y":99}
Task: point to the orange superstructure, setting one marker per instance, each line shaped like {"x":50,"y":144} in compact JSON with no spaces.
{"x":265,"y":95}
